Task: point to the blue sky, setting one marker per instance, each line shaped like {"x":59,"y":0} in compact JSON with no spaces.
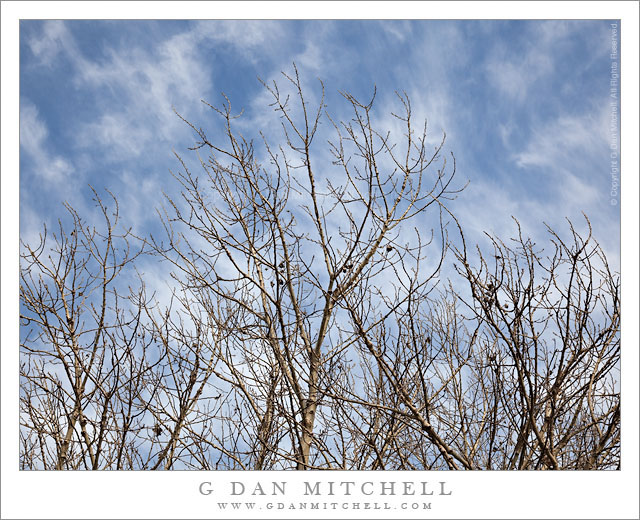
{"x":525,"y":106}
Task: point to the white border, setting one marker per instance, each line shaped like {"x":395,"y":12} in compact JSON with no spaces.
{"x":175,"y":495}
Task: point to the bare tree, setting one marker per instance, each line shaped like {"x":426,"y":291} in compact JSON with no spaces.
{"x":83,"y":361}
{"x":545,"y":379}
{"x":310,"y":325}
{"x":291,"y":261}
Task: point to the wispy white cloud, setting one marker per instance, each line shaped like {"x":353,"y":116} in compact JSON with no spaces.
{"x":564,"y":140}
{"x":488,"y":206}
{"x":30,"y":225}
{"x":117,"y":133}
{"x":252,"y":38}
{"x":143,"y":86}
{"x":53,"y":40}
{"x":141,"y":200}
{"x":515,"y":71}
{"x":45,"y":164}
{"x":129,"y":126}
{"x":398,"y":29}
{"x":514,"y":76}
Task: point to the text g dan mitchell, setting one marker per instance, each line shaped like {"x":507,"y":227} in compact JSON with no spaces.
{"x":327,"y":488}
